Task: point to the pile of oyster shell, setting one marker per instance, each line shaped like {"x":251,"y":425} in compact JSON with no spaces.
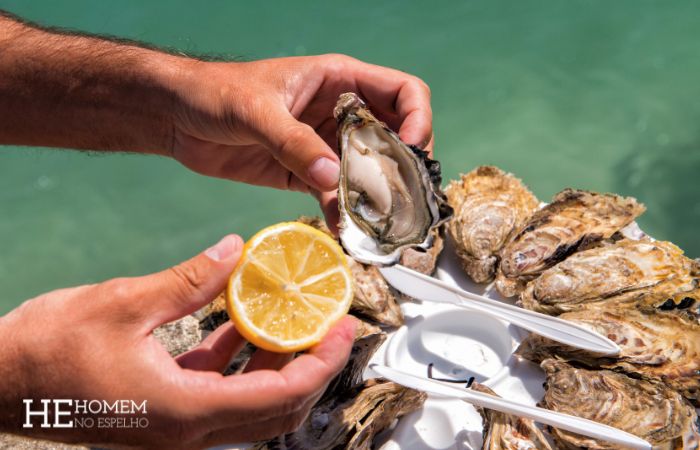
{"x":579,"y":257}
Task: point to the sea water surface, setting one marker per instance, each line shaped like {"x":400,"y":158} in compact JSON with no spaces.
{"x":589,"y":94}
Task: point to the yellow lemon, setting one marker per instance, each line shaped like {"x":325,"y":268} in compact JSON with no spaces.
{"x":291,"y":285}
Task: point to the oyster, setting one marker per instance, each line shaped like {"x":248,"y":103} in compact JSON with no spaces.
{"x":389,"y":192}
{"x":573,"y":220}
{"x":350,"y":420}
{"x":374,"y":298}
{"x":490,"y":206}
{"x":508,"y":432}
{"x":614,"y":273}
{"x":652,"y":344}
{"x":645,"y":408}
{"x":421,"y":260}
{"x":685,"y":302}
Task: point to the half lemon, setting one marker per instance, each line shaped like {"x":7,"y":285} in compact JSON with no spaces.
{"x":291,"y":285}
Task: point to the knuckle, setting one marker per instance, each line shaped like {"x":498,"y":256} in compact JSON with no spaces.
{"x":336,"y":63}
{"x":426,"y":88}
{"x":119,"y":289}
{"x":189,"y":280}
{"x":337,"y":58}
{"x":422,"y":84}
{"x":294,"y":138}
{"x":120,"y":298}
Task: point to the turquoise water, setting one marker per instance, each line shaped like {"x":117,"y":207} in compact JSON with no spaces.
{"x":589,"y":94}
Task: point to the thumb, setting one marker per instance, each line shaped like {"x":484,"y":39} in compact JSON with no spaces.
{"x":300,"y":149}
{"x":185,"y":288}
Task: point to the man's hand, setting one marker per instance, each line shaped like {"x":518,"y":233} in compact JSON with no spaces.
{"x":270,"y":122}
{"x":95,"y":343}
{"x":267,"y":122}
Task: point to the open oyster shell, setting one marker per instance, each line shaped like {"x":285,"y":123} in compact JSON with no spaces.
{"x":573,"y":220}
{"x":389,"y":192}
{"x":618,"y":273}
{"x":490,"y":206}
{"x":509,"y":432}
{"x":653,"y":344}
{"x":645,"y":408}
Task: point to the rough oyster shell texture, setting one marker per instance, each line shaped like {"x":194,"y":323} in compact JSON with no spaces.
{"x":508,"y":432}
{"x":389,"y":194}
{"x":350,"y":412}
{"x":574,"y":219}
{"x":653,"y":344}
{"x":490,"y":206}
{"x":616,"y":273}
{"x":646,"y":408}
{"x":352,"y":419}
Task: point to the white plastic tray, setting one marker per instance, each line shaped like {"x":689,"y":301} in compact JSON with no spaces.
{"x":460,"y":344}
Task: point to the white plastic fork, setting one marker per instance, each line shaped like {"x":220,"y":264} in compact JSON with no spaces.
{"x":556,"y":419}
{"x":426,"y":288}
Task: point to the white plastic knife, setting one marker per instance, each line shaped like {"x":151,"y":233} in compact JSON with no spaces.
{"x":567,"y":422}
{"x":429,"y":289}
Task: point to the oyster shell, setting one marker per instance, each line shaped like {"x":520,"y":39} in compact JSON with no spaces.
{"x":508,"y":432}
{"x":389,"y":193}
{"x":615,"y":273}
{"x":686,"y":303}
{"x":490,"y":206}
{"x":351,"y":420}
{"x":421,"y":260}
{"x":573,"y":220}
{"x":645,"y":408}
{"x":374,"y":298}
{"x":653,"y":344}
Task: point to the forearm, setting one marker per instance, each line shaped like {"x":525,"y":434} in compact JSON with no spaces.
{"x":61,"y":90}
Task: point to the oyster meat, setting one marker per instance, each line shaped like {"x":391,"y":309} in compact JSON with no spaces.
{"x":617,"y":273}
{"x":489,"y":207}
{"x":389,"y":193}
{"x":652,"y":344}
{"x":573,"y":220}
{"x":508,"y":432}
{"x":645,"y":408}
{"x":352,"y":419}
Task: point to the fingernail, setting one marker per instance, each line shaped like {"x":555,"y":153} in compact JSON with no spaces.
{"x":225,"y":248}
{"x":325,"y":173}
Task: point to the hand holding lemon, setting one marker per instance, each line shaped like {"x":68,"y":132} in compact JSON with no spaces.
{"x":98,"y":341}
